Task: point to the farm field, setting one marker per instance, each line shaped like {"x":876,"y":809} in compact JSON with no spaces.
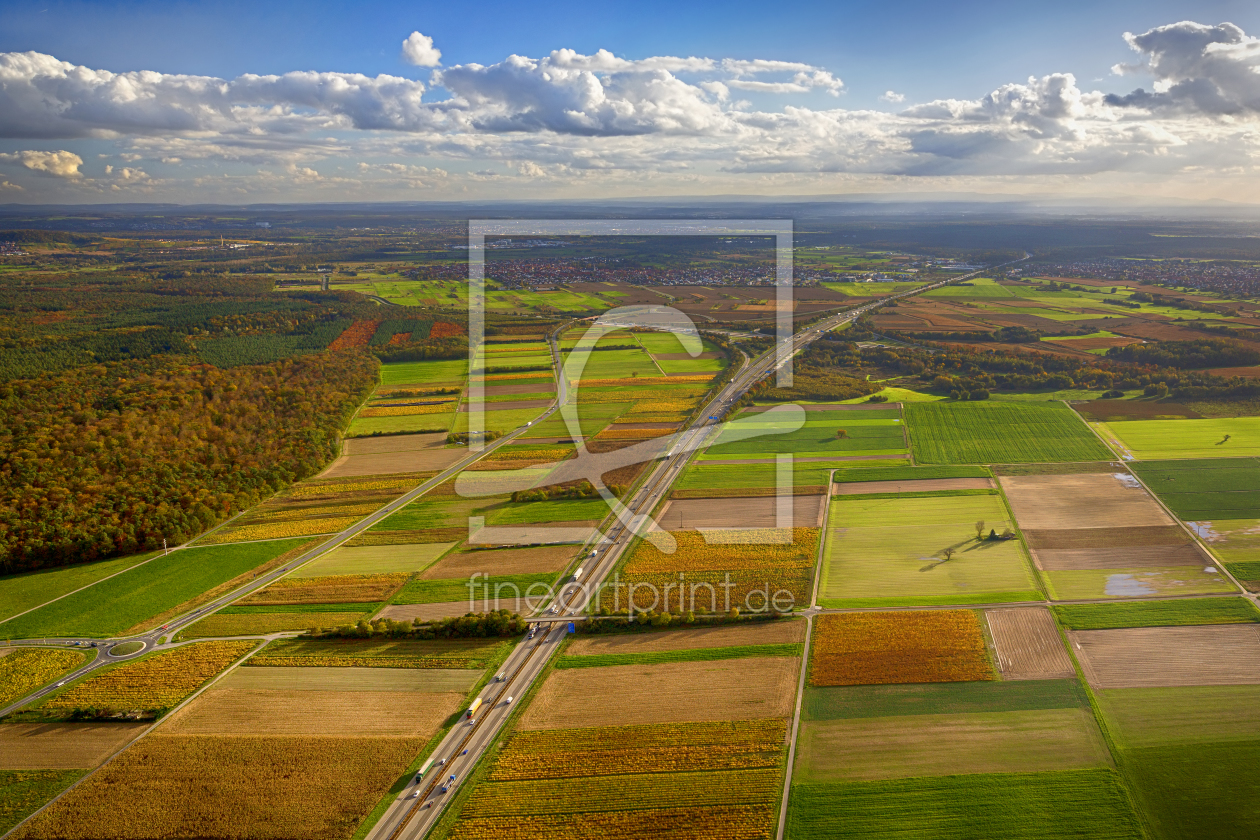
{"x":892,"y":551}
{"x":225,"y":623}
{"x":393,"y":454}
{"x":147,"y":788}
{"x":635,"y":781}
{"x":1025,"y":806}
{"x":1027,"y":644}
{"x":62,"y":746}
{"x":119,"y":603}
{"x":26,"y":591}
{"x":374,"y":560}
{"x":331,"y":589}
{"x":999,"y":433}
{"x":1155,"y":440}
{"x":381,"y":653}
{"x":825,"y":434}
{"x":151,"y":684}
{"x":23,"y":670}
{"x":1211,"y":489}
{"x":955,"y":698}
{"x":1225,"y":654}
{"x":22,"y":792}
{"x":759,"y":633}
{"x":1101,"y":535}
{"x":898,"y":647}
{"x":1157,"y":613}
{"x":1027,"y":741}
{"x":738,"y":513}
{"x":668,"y":693}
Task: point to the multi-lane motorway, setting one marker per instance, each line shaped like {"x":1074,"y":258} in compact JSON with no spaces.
{"x":420,"y":805}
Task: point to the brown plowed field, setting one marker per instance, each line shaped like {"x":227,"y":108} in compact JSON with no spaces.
{"x":425,"y":612}
{"x":912,"y":486}
{"x":1028,"y":644}
{"x":733,"y":689}
{"x":393,"y":454}
{"x":1091,"y":500}
{"x":1249,"y":372}
{"x":1129,"y":557}
{"x":757,"y":633}
{"x":1065,"y":538}
{"x":753,"y":512}
{"x":62,"y":746}
{"x":512,"y":561}
{"x":510,"y":405}
{"x":361,"y":714}
{"x":521,"y":388}
{"x":1170,"y":656}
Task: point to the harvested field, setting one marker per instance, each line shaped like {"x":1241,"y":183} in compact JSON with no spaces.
{"x":1075,"y":538}
{"x":1139,"y":557}
{"x":683,"y":691}
{"x":898,"y":647}
{"x":333,"y":589}
{"x":1073,"y":584}
{"x":278,"y":788}
{"x":374,"y":560}
{"x":1091,"y":500}
{"x":394,"y":454}
{"x":410,"y":680}
{"x":1170,"y":656}
{"x":62,"y":746}
{"x":426,"y":612}
{"x":866,"y":749}
{"x":897,"y":700}
{"x":382,"y":652}
{"x":755,"y":512}
{"x":511,"y":561}
{"x":363,"y":714}
{"x":1028,"y":644}
{"x":911,"y":486}
{"x":756,"y":633}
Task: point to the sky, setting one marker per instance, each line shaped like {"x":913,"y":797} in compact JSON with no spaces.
{"x":204,"y":102}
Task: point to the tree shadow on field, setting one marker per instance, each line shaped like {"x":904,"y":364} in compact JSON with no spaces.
{"x":972,"y":545}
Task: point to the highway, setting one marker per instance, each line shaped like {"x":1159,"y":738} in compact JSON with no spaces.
{"x":420,"y":805}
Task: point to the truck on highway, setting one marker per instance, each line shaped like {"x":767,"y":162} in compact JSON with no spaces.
{"x":476,"y":704}
{"x":578,"y":574}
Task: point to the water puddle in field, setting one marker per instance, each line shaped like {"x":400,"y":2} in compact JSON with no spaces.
{"x":1127,"y":480}
{"x":1204,"y":531}
{"x":1126,"y":586}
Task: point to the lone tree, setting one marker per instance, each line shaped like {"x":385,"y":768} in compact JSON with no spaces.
{"x":948,"y":553}
{"x":841,"y":434}
{"x":980,"y":529}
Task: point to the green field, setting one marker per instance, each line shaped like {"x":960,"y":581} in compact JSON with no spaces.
{"x":1155,"y":440}
{"x":891,"y":552}
{"x":999,"y":433}
{"x":1069,"y":805}
{"x":1134,"y":583}
{"x":368,"y":426}
{"x":610,"y":364}
{"x":659,"y":657}
{"x":908,"y":473}
{"x":1157,"y":613}
{"x":456,"y":589}
{"x":447,"y":372}
{"x":502,"y":420}
{"x":560,"y":510}
{"x":432,"y":512}
{"x":591,"y":418}
{"x":115,"y":605}
{"x":375,"y":560}
{"x":22,"y":792}
{"x":980,"y":287}
{"x":1220,"y":488}
{"x":866,"y":433}
{"x":701,"y":476}
{"x":19,"y":593}
{"x":1160,"y":717}
{"x":873,"y":701}
{"x":1200,"y":791}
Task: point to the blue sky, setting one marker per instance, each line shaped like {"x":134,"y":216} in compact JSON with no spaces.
{"x":732,"y":130}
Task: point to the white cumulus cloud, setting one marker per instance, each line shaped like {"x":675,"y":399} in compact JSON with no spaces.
{"x":62,"y":164}
{"x":419,"y":50}
{"x":892,"y":96}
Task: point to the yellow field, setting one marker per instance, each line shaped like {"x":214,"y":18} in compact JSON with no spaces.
{"x":156,"y":682}
{"x":407,"y":410}
{"x":694,"y":554}
{"x":26,"y":669}
{"x":280,"y":530}
{"x":332,"y":589}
